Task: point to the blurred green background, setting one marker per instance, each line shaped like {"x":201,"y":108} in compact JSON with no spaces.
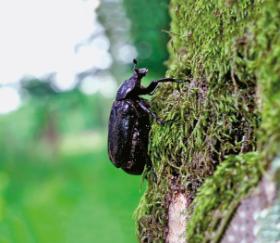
{"x":56,"y":181}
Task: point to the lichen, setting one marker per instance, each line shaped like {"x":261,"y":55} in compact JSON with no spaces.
{"x":218,"y":198}
{"x":268,"y":219}
{"x":228,"y":54}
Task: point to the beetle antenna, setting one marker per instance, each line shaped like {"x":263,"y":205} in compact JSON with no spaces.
{"x":135,"y":63}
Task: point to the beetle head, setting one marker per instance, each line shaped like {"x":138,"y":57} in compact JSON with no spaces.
{"x":140,"y":72}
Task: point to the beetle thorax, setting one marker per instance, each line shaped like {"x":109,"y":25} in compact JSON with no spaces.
{"x":128,"y":88}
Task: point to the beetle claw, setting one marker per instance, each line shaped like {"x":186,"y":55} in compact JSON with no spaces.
{"x":160,"y":122}
{"x":153,"y":175}
{"x":150,"y":173}
{"x":179,"y":81}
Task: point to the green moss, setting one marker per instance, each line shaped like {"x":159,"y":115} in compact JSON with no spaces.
{"x":228,"y":53}
{"x":267,"y":66}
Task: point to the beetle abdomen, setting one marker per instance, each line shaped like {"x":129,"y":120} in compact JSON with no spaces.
{"x":120,"y":132}
{"x":128,"y":136}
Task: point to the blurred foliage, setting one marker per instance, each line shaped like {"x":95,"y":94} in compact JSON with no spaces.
{"x":68,"y":199}
{"x":72,"y":110}
{"x":55,"y":176}
{"x":46,"y":118}
{"x":56,"y":182}
{"x":38,"y":88}
{"x":149,"y":22}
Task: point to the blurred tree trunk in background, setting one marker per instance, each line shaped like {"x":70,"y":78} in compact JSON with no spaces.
{"x":136,"y":29}
{"x":217,"y":162}
{"x":149,"y":25}
{"x":112,"y":16}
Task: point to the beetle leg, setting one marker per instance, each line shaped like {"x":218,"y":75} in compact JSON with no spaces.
{"x":152,"y":86}
{"x":152,"y":172}
{"x":147,"y":109}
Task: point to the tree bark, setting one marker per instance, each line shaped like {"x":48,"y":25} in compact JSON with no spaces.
{"x":223,"y":129}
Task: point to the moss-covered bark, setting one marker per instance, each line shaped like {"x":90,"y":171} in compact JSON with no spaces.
{"x":224,"y":121}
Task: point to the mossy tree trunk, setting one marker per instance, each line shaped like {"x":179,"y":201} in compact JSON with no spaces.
{"x":224,"y":128}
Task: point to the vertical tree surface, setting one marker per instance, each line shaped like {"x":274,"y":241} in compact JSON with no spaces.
{"x":223,"y":129}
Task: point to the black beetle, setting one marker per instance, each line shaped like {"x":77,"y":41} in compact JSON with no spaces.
{"x":129,"y":123}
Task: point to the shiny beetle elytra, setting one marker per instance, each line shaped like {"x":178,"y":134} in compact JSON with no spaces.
{"x":129,"y":123}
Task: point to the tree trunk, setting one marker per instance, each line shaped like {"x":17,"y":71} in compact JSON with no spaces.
{"x":223,"y":129}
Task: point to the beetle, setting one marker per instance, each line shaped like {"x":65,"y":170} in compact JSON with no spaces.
{"x":129,"y":123}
